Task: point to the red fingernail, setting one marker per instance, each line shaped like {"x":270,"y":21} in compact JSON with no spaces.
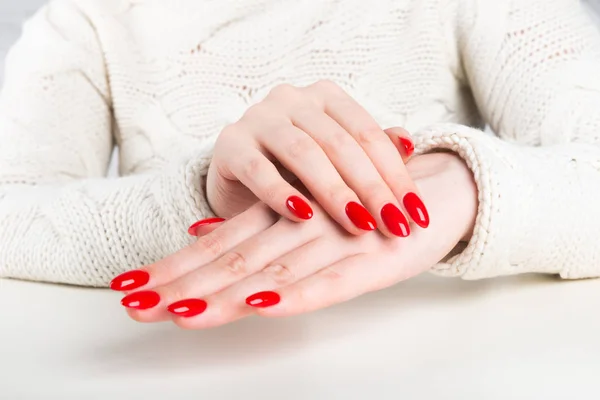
{"x":416,"y":209}
{"x":395,"y":220}
{"x":188,"y":307}
{"x":299,"y":207}
{"x":141,"y":300}
{"x":360,"y":216}
{"x":193,"y":230}
{"x":130,"y":280}
{"x":263,"y":299}
{"x":408,"y":145}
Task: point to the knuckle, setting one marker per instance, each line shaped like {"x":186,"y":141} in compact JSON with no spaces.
{"x":209,"y":244}
{"x":231,"y":131}
{"x":283,"y":90}
{"x":337,"y":141}
{"x":369,"y":135}
{"x":253,"y":167}
{"x":280,"y":274}
{"x":272,"y":192}
{"x":331,"y":273}
{"x":263,"y":118}
{"x":256,"y":111}
{"x":326,"y":85}
{"x":235,"y":263}
{"x":300,"y":147}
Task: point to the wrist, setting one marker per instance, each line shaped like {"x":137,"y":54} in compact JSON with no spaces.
{"x":445,"y":176}
{"x":468,"y":187}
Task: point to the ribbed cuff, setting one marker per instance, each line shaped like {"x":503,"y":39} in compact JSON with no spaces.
{"x":509,"y":235}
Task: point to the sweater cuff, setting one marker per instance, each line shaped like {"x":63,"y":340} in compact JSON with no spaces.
{"x":195,"y":172}
{"x":514,"y":233}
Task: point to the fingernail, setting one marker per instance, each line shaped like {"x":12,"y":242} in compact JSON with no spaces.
{"x":188,"y":307}
{"x":395,"y":220}
{"x":360,"y":216}
{"x":193,"y":230}
{"x":408,"y":145}
{"x":299,"y":207}
{"x":416,"y":209}
{"x":130,"y":280}
{"x":141,"y":300}
{"x":263,"y":299}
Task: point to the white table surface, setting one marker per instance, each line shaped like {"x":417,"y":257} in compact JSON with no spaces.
{"x":529,"y":337}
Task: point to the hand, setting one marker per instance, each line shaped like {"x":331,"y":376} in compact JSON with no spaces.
{"x":296,"y":268}
{"x":324,"y":138}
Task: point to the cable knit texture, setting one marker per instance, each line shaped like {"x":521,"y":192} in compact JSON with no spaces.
{"x":161,"y":79}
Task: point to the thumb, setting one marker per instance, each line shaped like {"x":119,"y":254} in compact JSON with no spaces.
{"x":402,"y":140}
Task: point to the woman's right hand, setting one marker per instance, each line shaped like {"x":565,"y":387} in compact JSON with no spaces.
{"x":321,"y":136}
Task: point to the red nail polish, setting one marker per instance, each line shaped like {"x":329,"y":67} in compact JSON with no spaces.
{"x":141,"y":300}
{"x":416,"y":209}
{"x":360,"y":216}
{"x":395,"y":220}
{"x":408,"y":145}
{"x":299,"y":207}
{"x":130,"y":280}
{"x":263,"y":299}
{"x":192,"y":230}
{"x":188,"y":307}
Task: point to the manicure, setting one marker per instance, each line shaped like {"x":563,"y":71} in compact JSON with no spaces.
{"x":408,"y":145}
{"x":130,"y":280}
{"x":263,"y":299}
{"x":299,"y":207}
{"x":360,"y":216}
{"x":188,"y":307}
{"x":193,"y":230}
{"x":141,"y":300}
{"x":416,"y":209}
{"x":395,"y":220}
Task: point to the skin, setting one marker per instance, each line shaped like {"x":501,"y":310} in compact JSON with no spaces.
{"x":320,"y":135}
{"x":314,"y":264}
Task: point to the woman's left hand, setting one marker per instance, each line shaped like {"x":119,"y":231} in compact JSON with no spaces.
{"x":254,"y":263}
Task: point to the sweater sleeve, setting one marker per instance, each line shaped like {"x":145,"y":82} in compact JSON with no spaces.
{"x":61,"y":218}
{"x":534,"y":70}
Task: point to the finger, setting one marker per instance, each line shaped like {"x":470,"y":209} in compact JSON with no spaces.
{"x":402,"y":140}
{"x":411,"y":198}
{"x":230,"y":304}
{"x":381,"y":180}
{"x":355,"y":168}
{"x":381,"y":151}
{"x":199,"y":228}
{"x":205,"y":226}
{"x":336,"y":283}
{"x":301,"y":155}
{"x":384,"y":156}
{"x":206,"y":249}
{"x":255,"y":171}
{"x":242,"y":261}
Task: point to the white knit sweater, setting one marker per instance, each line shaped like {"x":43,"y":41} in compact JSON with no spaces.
{"x":162,"y":78}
